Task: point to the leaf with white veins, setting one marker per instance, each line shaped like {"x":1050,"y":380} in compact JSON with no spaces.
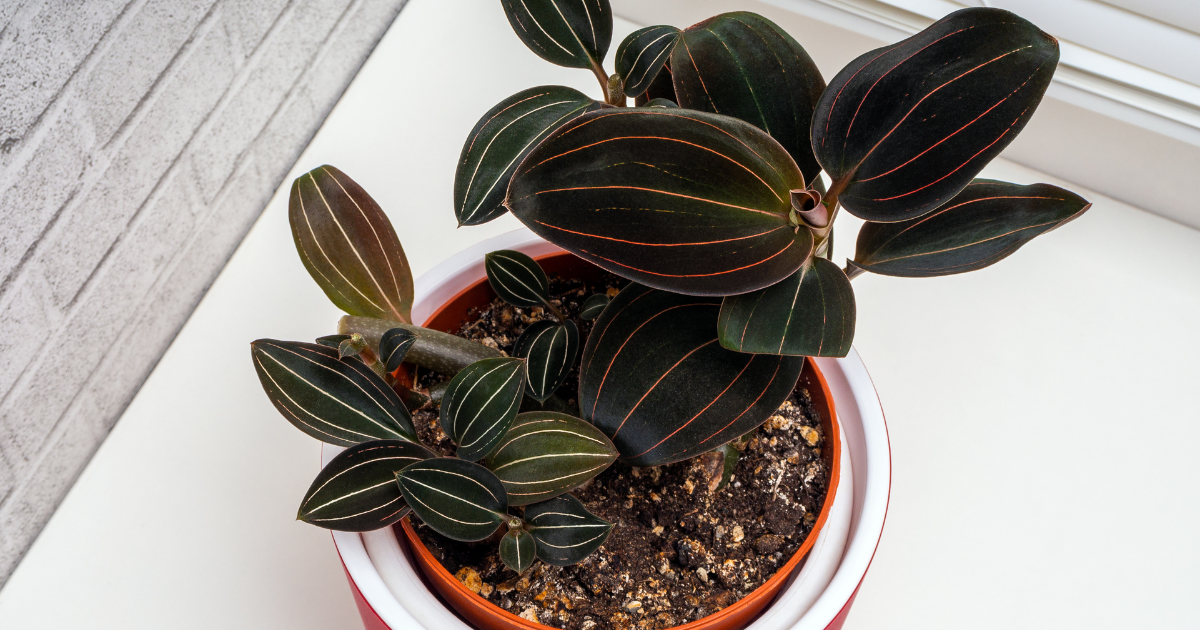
{"x":564,"y":530}
{"x":480,"y":403}
{"x":456,"y":498}
{"x":546,"y":453}
{"x":357,"y":491}
{"x":549,"y":349}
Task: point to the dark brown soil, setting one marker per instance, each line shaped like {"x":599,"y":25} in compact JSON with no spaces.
{"x":680,"y":550}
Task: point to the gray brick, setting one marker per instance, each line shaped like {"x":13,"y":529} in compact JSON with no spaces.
{"x":26,"y":324}
{"x":8,"y":479}
{"x":248,"y":22}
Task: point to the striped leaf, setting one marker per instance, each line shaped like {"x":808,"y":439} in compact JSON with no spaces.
{"x":456,"y":498}
{"x":657,"y":382}
{"x":809,"y":314}
{"x":904,"y":128}
{"x":679,"y":200}
{"x":332,"y":341}
{"x":593,"y":306}
{"x":517,"y":278}
{"x":352,"y":346}
{"x":661,"y":87}
{"x":480,"y":403}
{"x":546,"y":453}
{"x":393,"y":347}
{"x":517,"y":550}
{"x":642,"y":55}
{"x":549,"y":349}
{"x":565,"y":532}
{"x":349,"y":247}
{"x":743,"y":65}
{"x":357,"y":490}
{"x":501,"y":139}
{"x":983,"y":224}
{"x":335,"y":401}
{"x":571,"y":33}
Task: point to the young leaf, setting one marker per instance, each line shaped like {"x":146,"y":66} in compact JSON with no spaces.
{"x":546,"y":453}
{"x":352,"y":346}
{"x":565,"y":532}
{"x":517,"y":278}
{"x":456,"y":498}
{"x":332,"y":341}
{"x":661,"y":102}
{"x":335,"y":401}
{"x":571,"y":33}
{"x":983,"y":224}
{"x":517,"y":550}
{"x":642,"y":55}
{"x":393,"y":347}
{"x":904,"y":128}
{"x":501,"y":139}
{"x":684,"y":201}
{"x":349,"y":247}
{"x":549,"y":349}
{"x":809,"y":314}
{"x":593,"y":306}
{"x":357,"y":491}
{"x":743,"y":65}
{"x":480,"y":403}
{"x":657,"y":382}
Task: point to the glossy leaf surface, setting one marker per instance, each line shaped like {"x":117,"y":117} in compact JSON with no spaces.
{"x":348,"y":246}
{"x":593,"y":306}
{"x":393,"y":347}
{"x":518,"y":550}
{"x":985,"y":223}
{"x":905,"y":127}
{"x":549,"y":349}
{"x":457,"y":498}
{"x":661,"y":102}
{"x":656,"y":380}
{"x":812,"y":313}
{"x":642,"y":55}
{"x":480,"y":403}
{"x":684,"y":201}
{"x":335,"y":401}
{"x":743,"y":65}
{"x":517,"y":278}
{"x":661,"y":87}
{"x":357,"y":490}
{"x":332,"y":341}
{"x":571,"y":33}
{"x":501,"y":139}
{"x":546,"y":453}
{"x":564,"y":530}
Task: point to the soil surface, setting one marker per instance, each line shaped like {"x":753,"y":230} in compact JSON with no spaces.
{"x":681,"y":549}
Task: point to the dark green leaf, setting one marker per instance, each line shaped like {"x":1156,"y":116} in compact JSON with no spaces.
{"x":809,"y":314}
{"x":743,"y":65}
{"x":517,"y":278}
{"x":564,"y":530}
{"x":456,"y":498}
{"x":393,"y":347}
{"x":517,"y":550}
{"x":593,"y":306}
{"x":349,"y":247}
{"x":545,"y":454}
{"x":661,"y":88}
{"x":332,"y":341}
{"x":985,"y":223}
{"x":684,"y":201}
{"x":352,"y":347}
{"x":661,"y":102}
{"x":501,"y":139}
{"x":657,"y":382}
{"x":571,"y":33}
{"x":642,"y":55}
{"x":480,"y":403}
{"x":549,"y":349}
{"x":335,"y":401}
{"x":903,"y":129}
{"x":357,"y":491}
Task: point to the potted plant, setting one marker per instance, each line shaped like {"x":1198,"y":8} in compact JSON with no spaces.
{"x":705,"y":203}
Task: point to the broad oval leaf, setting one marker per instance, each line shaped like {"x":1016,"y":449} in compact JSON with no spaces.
{"x":501,"y":139}
{"x":564,"y":530}
{"x":357,"y":491}
{"x":546,"y":453}
{"x":656,"y":380}
{"x":349,"y":247}
{"x":335,"y":401}
{"x":332,"y":341}
{"x":983,"y":224}
{"x":549,"y":349}
{"x":743,"y":65}
{"x":593,"y":306}
{"x":812,"y":313}
{"x":480,"y":403}
{"x":685,"y":201}
{"x":456,"y":498}
{"x":642,"y":55}
{"x":571,"y":33}
{"x":904,"y":128}
{"x":393,"y":347}
{"x":518,"y":550}
{"x":517,"y":278}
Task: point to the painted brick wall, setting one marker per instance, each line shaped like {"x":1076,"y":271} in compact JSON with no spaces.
{"x":139,"y":140}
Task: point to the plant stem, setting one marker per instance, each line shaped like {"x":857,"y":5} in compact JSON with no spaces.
{"x":602,"y":77}
{"x":555,"y":312}
{"x":433,"y":349}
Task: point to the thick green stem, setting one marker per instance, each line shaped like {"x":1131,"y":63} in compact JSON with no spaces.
{"x":433,"y":349}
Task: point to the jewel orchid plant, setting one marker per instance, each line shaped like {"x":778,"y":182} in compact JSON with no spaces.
{"x":708,"y":196}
